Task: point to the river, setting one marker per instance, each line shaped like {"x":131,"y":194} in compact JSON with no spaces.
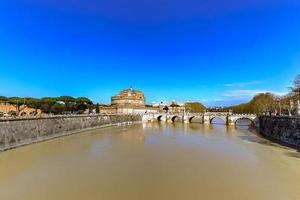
{"x":154,"y":161}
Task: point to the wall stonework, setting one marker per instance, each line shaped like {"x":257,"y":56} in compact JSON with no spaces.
{"x":19,"y":132}
{"x":282,"y":129}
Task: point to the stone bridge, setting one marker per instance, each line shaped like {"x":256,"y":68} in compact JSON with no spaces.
{"x":205,"y":118}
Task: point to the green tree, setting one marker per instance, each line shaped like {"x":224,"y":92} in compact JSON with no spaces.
{"x":33,"y":103}
{"x":17,"y":102}
{"x":68,"y":101}
{"x":83,"y":100}
{"x":58,"y":108}
{"x":166,"y":109}
{"x":83,"y":103}
{"x":3,"y":98}
{"x":47,"y":103}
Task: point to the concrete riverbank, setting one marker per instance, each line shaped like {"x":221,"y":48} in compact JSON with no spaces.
{"x":19,"y":132}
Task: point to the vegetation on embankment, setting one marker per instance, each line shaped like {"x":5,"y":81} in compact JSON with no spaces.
{"x":54,"y":105}
{"x":268,"y":103}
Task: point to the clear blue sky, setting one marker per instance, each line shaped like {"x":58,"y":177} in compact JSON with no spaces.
{"x":218,"y":51}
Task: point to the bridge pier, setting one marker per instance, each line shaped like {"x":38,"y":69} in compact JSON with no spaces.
{"x":206,"y":119}
{"x":186,"y":119}
{"x":230,"y":121}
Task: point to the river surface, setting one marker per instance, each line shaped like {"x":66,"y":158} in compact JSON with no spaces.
{"x":152,"y":162}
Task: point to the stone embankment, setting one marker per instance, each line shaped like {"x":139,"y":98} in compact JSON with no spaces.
{"x":282,"y":129}
{"x":22,"y":131}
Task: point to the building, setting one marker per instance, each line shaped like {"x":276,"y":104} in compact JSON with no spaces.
{"x":128,"y":101}
{"x":173,"y":106}
{"x":129,"y":98}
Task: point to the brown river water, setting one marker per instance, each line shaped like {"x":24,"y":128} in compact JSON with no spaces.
{"x":152,"y":161}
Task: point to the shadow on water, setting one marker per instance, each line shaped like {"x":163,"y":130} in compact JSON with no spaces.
{"x":255,"y":137}
{"x":259,"y":140}
{"x":293,"y":154}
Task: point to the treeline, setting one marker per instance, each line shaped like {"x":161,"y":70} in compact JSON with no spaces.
{"x":271,"y":104}
{"x":54,"y":105}
{"x":194,"y":107}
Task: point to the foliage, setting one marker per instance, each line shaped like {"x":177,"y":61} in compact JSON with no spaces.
{"x":174,"y":104}
{"x":3,"y":98}
{"x":33,"y":103}
{"x":58,"y":108}
{"x":17,"y":102}
{"x":83,"y":100}
{"x":194,"y":107}
{"x":296,"y":86}
{"x":166,"y":108}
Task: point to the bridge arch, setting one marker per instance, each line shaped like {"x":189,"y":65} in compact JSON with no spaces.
{"x":159,"y":118}
{"x":251,"y":120}
{"x":218,"y":117}
{"x":191,"y":118}
{"x":196,"y":119}
{"x":174,"y":118}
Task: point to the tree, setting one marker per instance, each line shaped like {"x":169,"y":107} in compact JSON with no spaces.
{"x":263,"y":103}
{"x":83,"y":100}
{"x":17,"y":102}
{"x":58,"y":108}
{"x":33,"y":103}
{"x":194,"y":107}
{"x":166,"y":108}
{"x":288,"y":103}
{"x":277,"y":104}
{"x":296,"y":89}
{"x":68,"y":100}
{"x":97,"y":108}
{"x":3,"y":99}
{"x":174,"y":107}
{"x":296,"y":83}
{"x":83,"y":103}
{"x":47,"y":103}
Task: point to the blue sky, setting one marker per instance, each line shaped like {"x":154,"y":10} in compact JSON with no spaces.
{"x":218,"y":52}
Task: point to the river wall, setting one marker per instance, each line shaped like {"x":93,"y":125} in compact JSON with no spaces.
{"x":282,"y":129}
{"x":18,"y":132}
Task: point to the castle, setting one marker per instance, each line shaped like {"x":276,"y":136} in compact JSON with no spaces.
{"x":127,"y":101}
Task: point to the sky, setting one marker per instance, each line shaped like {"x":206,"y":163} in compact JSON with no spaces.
{"x":219,"y":52}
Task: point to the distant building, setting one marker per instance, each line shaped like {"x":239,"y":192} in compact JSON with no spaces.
{"x":129,"y":98}
{"x":128,"y":101}
{"x":173,"y":106}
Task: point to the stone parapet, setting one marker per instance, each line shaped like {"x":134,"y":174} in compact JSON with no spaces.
{"x":22,"y":131}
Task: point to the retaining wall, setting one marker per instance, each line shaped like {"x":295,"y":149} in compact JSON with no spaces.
{"x":282,"y":129}
{"x":18,"y":132}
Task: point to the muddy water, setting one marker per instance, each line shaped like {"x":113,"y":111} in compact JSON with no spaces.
{"x":152,"y":161}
